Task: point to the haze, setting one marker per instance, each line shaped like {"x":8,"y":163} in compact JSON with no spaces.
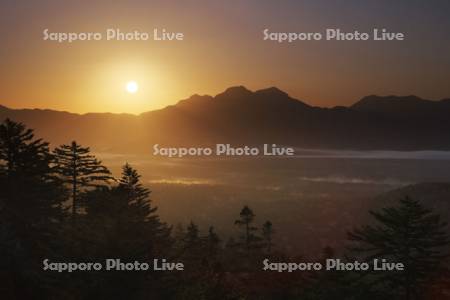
{"x":223,"y":47}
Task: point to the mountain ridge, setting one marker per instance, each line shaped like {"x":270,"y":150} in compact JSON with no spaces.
{"x":270,"y":91}
{"x":240,"y":116}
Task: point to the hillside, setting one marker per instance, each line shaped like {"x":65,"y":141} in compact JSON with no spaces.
{"x":240,"y":116}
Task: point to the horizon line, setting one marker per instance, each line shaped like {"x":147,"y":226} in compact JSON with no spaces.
{"x":206,"y":95}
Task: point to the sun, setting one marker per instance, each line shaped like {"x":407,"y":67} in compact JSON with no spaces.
{"x":132,"y":87}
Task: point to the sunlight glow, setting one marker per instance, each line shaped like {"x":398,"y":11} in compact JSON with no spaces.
{"x":132,"y":87}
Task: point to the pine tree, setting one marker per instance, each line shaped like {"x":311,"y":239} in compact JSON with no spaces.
{"x":139,"y":210}
{"x":21,"y":153}
{"x":178,"y":235}
{"x":410,"y":234}
{"x":212,"y":242}
{"x":121,"y":223}
{"x":246,"y":220}
{"x":79,"y":169}
{"x":127,"y":210}
{"x":29,"y":189}
{"x":137,"y":195}
{"x":192,"y":238}
{"x":212,"y":252}
{"x":267,"y":233}
{"x":192,"y":251}
{"x":30,"y":201}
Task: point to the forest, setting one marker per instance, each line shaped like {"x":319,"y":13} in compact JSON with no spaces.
{"x":64,"y":205}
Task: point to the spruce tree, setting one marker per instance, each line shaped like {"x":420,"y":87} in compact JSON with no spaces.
{"x":140,"y":213}
{"x":212,"y":252}
{"x":212,"y":242}
{"x":122,"y":223}
{"x":29,"y":190}
{"x":128,"y":216}
{"x":193,"y":246}
{"x":22,"y":154}
{"x":80,"y":170}
{"x":267,"y":233}
{"x":410,"y":234}
{"x":30,"y":200}
{"x":192,"y":238}
{"x":137,"y":196}
{"x":246,"y":222}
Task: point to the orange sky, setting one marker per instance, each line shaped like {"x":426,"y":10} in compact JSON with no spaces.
{"x":223,"y":47}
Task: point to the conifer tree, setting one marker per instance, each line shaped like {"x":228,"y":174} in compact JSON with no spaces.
{"x":127,"y":209}
{"x":410,"y":234}
{"x":178,"y":236}
{"x":193,"y":245}
{"x":267,"y":233}
{"x":140,"y":213}
{"x":211,"y":258}
{"x":246,"y":220}
{"x":79,"y":169}
{"x":212,"y":242}
{"x":30,"y":201}
{"x":21,"y":153}
{"x":192,"y":238}
{"x":29,"y":189}
{"x":137,"y":196}
{"x":122,"y":223}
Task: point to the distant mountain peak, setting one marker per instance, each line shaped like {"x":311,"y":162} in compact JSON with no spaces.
{"x":235,"y":92}
{"x":374,"y":102}
{"x":241,"y":116}
{"x":2,"y":107}
{"x":390,"y":98}
{"x":194,"y":100}
{"x":240,"y":95}
{"x":197,"y":97}
{"x":272,"y":91}
{"x":237,"y":89}
{"x":403,"y":107}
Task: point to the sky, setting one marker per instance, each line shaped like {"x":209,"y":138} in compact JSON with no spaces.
{"x":223,"y":46}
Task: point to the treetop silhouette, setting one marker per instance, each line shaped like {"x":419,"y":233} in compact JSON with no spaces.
{"x":79,"y":169}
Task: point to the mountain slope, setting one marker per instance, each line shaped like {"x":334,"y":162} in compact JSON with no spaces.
{"x":434,"y":195}
{"x":403,"y":107}
{"x":240,"y":116}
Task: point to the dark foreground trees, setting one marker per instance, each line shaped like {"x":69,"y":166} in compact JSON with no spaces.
{"x":80,"y":170}
{"x":408,"y":233}
{"x":248,"y":237}
{"x":30,"y":211}
{"x":125,"y":215}
{"x":119,"y":221}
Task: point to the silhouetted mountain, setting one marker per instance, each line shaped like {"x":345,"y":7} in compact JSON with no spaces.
{"x":239,"y":116}
{"x":404,"y":107}
{"x":433,"y":195}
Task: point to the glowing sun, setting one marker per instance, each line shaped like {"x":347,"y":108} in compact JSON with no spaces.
{"x":132,"y":87}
